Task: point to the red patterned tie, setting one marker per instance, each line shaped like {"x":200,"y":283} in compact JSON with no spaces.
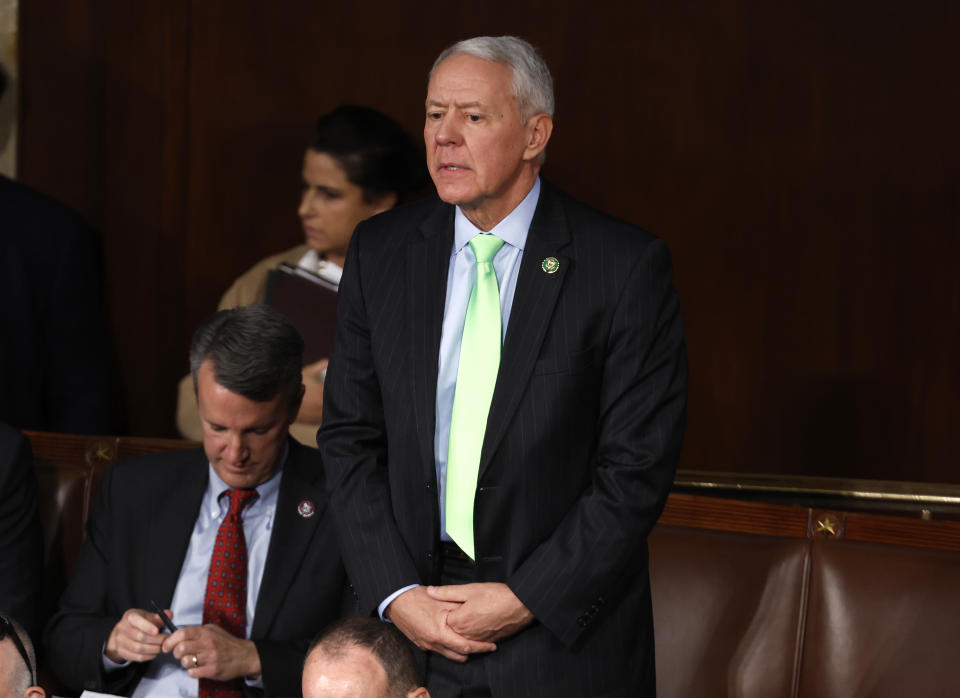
{"x":225,"y":602}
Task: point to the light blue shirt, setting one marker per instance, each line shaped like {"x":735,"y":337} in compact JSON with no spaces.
{"x":461,"y":278}
{"x":164,"y":675}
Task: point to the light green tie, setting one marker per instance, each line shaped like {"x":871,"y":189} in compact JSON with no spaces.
{"x":476,"y":377}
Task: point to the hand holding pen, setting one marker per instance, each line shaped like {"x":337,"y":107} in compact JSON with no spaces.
{"x":164,"y":617}
{"x":137,"y":636}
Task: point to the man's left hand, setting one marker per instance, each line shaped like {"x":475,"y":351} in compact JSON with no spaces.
{"x":489,"y":611}
{"x":219,"y":655}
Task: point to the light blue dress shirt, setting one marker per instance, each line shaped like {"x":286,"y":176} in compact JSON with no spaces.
{"x":164,"y":675}
{"x":461,"y":278}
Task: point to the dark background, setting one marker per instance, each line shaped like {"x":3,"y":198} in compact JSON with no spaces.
{"x":801,"y":159}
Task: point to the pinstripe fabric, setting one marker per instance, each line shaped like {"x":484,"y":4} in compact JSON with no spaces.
{"x":582,"y":440}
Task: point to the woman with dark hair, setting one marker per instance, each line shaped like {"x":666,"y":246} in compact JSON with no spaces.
{"x":360,"y":163}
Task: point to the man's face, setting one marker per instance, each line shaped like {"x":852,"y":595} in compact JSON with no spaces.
{"x":354,"y":674}
{"x":243,"y":438}
{"x":476,"y":144}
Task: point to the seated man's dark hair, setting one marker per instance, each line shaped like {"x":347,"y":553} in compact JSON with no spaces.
{"x":373,"y":150}
{"x":391,"y":648}
{"x":255,"y":352}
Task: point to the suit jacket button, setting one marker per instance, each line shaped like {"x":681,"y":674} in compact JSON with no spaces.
{"x":429,"y":556}
{"x":429,"y":486}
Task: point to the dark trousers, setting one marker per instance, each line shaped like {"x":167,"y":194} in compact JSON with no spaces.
{"x":445,"y":678}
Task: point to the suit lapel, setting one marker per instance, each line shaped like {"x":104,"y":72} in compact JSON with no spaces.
{"x":170,"y":529}
{"x":428,"y":261}
{"x":291,"y":535}
{"x":533,"y":304}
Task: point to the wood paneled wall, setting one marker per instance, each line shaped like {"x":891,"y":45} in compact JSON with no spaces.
{"x":802,"y":161}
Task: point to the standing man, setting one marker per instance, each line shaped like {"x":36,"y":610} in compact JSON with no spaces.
{"x":233,"y":541}
{"x":505,"y":405}
{"x":57,"y":371}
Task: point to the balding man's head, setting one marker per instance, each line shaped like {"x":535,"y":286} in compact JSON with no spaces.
{"x":362,"y":658}
{"x":17,"y":662}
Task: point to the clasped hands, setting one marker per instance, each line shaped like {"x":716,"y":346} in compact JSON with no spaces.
{"x":459,"y":619}
{"x":139,"y":637}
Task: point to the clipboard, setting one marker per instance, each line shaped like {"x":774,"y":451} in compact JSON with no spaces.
{"x":309,"y":302}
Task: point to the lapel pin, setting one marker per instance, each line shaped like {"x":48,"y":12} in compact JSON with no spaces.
{"x":550,"y":265}
{"x":306,"y":509}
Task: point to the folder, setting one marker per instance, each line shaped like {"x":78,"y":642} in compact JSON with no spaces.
{"x":309,"y":302}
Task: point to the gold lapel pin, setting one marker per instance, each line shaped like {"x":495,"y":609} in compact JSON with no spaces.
{"x":550,"y":265}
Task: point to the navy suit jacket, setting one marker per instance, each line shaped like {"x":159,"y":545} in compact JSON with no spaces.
{"x":21,"y":540}
{"x":137,"y":538}
{"x":580,"y":450}
{"x":56,"y":359}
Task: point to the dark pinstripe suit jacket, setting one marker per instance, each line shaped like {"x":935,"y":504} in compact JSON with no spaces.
{"x":581,"y":444}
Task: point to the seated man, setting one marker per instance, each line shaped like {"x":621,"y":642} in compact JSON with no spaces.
{"x":233,"y":540}
{"x":362,"y":658}
{"x":18,"y":662}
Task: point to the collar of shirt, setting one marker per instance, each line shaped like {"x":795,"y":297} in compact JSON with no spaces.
{"x":461,"y":276}
{"x":216,"y":505}
{"x":512,"y":230}
{"x":313,"y":263}
{"x":163,"y":675}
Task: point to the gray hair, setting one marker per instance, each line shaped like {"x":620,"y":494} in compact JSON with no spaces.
{"x":532,"y":85}
{"x":255,"y":352}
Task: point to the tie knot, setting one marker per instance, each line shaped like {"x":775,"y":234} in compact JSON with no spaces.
{"x":485,"y":247}
{"x":239,"y":499}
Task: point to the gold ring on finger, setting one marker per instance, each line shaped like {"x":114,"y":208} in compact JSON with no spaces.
{"x":196,"y":662}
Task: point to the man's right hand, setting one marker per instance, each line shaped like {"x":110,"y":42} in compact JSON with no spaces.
{"x":136,"y":638}
{"x":424,"y":621}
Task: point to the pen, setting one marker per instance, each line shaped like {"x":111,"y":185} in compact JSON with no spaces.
{"x":163,"y":616}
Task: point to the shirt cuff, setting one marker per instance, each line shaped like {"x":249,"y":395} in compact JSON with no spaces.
{"x":109,"y":664}
{"x":387,"y":601}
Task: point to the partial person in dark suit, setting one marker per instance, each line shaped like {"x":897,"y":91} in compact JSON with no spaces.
{"x":21,"y":541}
{"x":494,"y":496}
{"x":56,"y":363}
{"x":167,"y":527}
